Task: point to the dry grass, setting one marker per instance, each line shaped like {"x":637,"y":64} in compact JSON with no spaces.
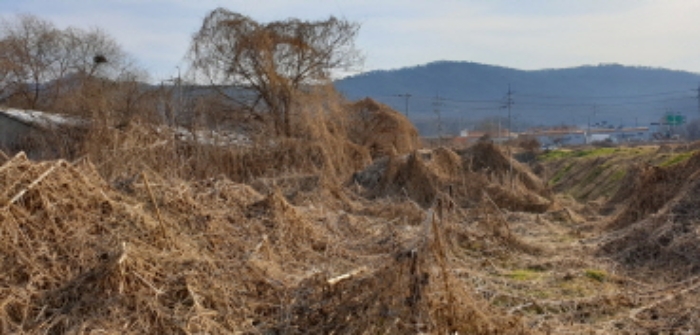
{"x":146,"y":233}
{"x":150,"y":233}
{"x":381,"y":129}
{"x":424,"y":176}
{"x":167,"y":256}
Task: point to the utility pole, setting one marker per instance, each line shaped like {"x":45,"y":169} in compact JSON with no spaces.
{"x":437,"y":103}
{"x":509,"y":103}
{"x":406,"y":96}
{"x":179,"y":93}
{"x":173,"y":112}
{"x":698,"y":98}
{"x":588,"y":133}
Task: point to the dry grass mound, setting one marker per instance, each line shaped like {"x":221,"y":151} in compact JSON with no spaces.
{"x":649,"y":188}
{"x":381,"y":129}
{"x":668,"y":240}
{"x":664,"y":249}
{"x":424,"y":176}
{"x":409,"y":176}
{"x":489,"y":159}
{"x":167,"y":256}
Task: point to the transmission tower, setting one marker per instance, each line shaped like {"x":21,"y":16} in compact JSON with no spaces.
{"x":509,"y":103}
{"x":437,"y":103}
{"x":698,"y":98}
{"x":406,"y":96}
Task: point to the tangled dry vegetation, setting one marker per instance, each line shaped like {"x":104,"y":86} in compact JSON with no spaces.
{"x":143,"y":233}
{"x":147,"y":234}
{"x":162,"y":255}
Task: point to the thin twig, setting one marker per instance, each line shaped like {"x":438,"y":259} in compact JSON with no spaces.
{"x":503,"y":218}
{"x":155,"y":204}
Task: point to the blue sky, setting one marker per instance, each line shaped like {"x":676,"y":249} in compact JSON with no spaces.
{"x":525,"y":34}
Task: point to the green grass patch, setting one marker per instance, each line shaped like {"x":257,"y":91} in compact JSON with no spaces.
{"x":564,"y":153}
{"x":560,"y":174}
{"x":676,"y":158}
{"x":555,"y":154}
{"x":523,"y":275}
{"x":618,"y":175}
{"x":597,"y":275}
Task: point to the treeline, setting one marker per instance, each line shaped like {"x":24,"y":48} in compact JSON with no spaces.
{"x":71,"y":70}
{"x":238,"y":70}
{"x":255,"y":100}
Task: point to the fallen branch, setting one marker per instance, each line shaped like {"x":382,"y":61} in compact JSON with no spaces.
{"x":33,"y":184}
{"x":520,"y":307}
{"x":335,"y":280}
{"x":18,"y":157}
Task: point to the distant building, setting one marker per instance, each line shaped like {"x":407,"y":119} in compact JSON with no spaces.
{"x":40,"y":135}
{"x":620,"y":135}
{"x":557,"y":137}
{"x":576,"y":136}
{"x":13,"y":132}
{"x":468,"y":137}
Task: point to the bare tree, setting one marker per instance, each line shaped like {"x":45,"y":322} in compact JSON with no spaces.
{"x":262,"y":66}
{"x":42,"y":66}
{"x":31,"y":50}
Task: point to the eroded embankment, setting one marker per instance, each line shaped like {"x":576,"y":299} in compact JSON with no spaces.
{"x":649,"y":225}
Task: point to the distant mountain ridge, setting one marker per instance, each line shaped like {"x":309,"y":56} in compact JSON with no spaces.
{"x":609,"y":94}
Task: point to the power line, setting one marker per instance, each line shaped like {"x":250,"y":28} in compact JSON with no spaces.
{"x":534,"y":103}
{"x":601,"y":96}
{"x":582,"y":104}
{"x":547,"y":97}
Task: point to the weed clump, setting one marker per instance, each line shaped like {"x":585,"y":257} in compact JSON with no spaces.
{"x":463,"y":177}
{"x":381,"y":129}
{"x":597,"y":275}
